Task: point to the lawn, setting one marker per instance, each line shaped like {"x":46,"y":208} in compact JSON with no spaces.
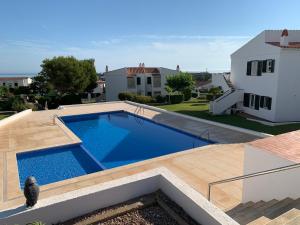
{"x":2,"y":116}
{"x":199,"y":108}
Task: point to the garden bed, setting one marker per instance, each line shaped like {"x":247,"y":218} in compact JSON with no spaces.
{"x":152,"y":209}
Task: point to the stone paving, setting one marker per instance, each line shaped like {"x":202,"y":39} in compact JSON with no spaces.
{"x":197,"y":167}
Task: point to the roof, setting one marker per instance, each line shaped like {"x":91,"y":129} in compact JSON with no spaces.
{"x":200,"y":83}
{"x":286,"y":145}
{"x":12,"y":78}
{"x":291,"y":44}
{"x":131,"y":71}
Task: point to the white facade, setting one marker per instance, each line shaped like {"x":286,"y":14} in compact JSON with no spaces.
{"x":14,"y":82}
{"x":138,"y":80}
{"x":267,"y":70}
{"x":277,"y":185}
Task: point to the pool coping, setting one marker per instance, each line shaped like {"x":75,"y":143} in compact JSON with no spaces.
{"x":69,"y":132}
{"x":12,"y":194}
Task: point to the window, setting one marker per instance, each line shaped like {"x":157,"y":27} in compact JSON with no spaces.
{"x":257,"y":67}
{"x":4,"y":84}
{"x":251,"y":100}
{"x":16,"y":84}
{"x":149,"y":93}
{"x":130,"y":82}
{"x":138,"y":81}
{"x":148,"y":80}
{"x":265,"y":102}
{"x":156,"y":81}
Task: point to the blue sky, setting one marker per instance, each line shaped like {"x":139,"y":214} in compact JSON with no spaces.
{"x":196,"y":34}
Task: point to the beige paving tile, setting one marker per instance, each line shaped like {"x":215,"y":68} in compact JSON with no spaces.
{"x":197,"y":167}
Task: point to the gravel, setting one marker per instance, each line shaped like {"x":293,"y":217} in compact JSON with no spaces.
{"x":154,"y":215}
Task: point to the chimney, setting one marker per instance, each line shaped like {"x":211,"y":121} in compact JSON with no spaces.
{"x":284,"y":40}
{"x":140,"y":64}
{"x":106,"y":68}
{"x":177,"y":68}
{"x":143,"y":64}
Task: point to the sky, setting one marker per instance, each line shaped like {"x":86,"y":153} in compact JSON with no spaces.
{"x":198,"y":35}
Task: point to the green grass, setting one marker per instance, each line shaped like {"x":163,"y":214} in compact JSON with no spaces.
{"x":2,"y":116}
{"x":199,"y":108}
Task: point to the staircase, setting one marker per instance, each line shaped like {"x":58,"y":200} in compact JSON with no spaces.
{"x":226,"y":101}
{"x":273,"y":212}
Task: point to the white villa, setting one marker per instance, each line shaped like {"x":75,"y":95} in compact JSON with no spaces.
{"x":264,"y":79}
{"x":14,"y":82}
{"x":141,"y":80}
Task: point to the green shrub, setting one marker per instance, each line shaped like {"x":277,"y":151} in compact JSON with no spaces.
{"x":126,"y":96}
{"x":142,"y":99}
{"x":70,"y":99}
{"x":187,"y":94}
{"x":176,"y":98}
{"x":5,"y":105}
{"x":212,"y":97}
{"x":18,"y":104}
{"x":160,"y":99}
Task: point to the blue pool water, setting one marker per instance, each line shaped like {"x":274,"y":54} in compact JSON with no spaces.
{"x":110,"y":139}
{"x":55,"y":164}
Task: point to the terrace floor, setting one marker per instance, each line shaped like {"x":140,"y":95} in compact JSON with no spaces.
{"x":197,"y":167}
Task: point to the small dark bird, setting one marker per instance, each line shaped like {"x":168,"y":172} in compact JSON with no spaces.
{"x":31,"y":191}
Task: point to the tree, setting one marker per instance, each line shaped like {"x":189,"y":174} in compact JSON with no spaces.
{"x":4,"y":92}
{"x":182,"y":83}
{"x":68,"y":75}
{"x":40,"y":85}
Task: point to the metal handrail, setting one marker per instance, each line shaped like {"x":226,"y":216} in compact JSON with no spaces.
{"x":205,"y":131}
{"x":265,"y":172}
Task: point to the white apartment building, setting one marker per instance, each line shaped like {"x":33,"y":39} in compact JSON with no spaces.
{"x":14,"y":82}
{"x":265,"y":78}
{"x":149,"y":81}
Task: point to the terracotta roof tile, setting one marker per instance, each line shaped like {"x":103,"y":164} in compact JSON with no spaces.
{"x":131,"y":71}
{"x":291,"y":44}
{"x":12,"y":78}
{"x":285,"y":145}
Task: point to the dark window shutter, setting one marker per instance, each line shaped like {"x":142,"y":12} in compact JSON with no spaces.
{"x":138,"y":80}
{"x":249,"y":64}
{"x":273,"y":66}
{"x":261,"y":101}
{"x":264,"y":66}
{"x":246,"y":99}
{"x":256,"y":102}
{"x":269,"y":103}
{"x":259,"y":68}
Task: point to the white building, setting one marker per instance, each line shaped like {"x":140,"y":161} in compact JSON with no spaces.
{"x":265,"y":77}
{"x":140,"y":80}
{"x":14,"y":82}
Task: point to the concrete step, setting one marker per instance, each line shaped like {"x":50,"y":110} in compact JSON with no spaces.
{"x":295,"y":221}
{"x":249,"y":214}
{"x":239,"y":208}
{"x":260,"y":221}
{"x":278,"y":208}
{"x":286,"y":217}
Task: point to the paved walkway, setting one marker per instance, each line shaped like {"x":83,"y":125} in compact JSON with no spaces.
{"x":197,"y":167}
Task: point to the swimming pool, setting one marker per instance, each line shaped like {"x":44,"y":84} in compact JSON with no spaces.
{"x":115,"y":139}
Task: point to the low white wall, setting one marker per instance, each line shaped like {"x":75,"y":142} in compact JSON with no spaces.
{"x":271,"y":186}
{"x":76,"y":203}
{"x":14,"y":117}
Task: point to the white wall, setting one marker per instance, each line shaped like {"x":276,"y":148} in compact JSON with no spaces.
{"x":272,"y":186}
{"x":288,"y":93}
{"x":115,"y":82}
{"x":218,"y":80}
{"x":85,"y":200}
{"x":265,"y":85}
